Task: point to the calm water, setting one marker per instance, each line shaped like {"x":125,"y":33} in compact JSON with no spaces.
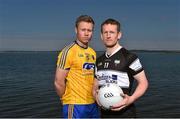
{"x":26,"y":85}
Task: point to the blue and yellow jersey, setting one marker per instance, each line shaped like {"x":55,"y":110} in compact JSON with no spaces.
{"x":81,"y":64}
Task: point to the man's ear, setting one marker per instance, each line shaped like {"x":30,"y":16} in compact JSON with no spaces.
{"x":119,"y":35}
{"x":101,"y":37}
{"x":75,"y":30}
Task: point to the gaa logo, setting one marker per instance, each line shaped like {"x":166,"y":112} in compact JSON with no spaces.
{"x":107,"y":95}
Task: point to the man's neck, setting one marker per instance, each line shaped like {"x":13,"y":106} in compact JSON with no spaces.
{"x":81,"y":44}
{"x":111,"y":50}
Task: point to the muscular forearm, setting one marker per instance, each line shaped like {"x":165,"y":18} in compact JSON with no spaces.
{"x":95,"y":88}
{"x":128,"y":100}
{"x":140,"y":90}
{"x":94,"y":91}
{"x":59,"y":81}
{"x":60,"y":88}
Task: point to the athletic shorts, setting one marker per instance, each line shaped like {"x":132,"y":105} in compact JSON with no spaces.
{"x":81,"y":111}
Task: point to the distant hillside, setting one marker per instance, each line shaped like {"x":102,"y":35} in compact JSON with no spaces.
{"x":177,"y":51}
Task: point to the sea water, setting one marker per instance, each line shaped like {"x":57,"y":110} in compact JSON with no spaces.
{"x":27,"y":88}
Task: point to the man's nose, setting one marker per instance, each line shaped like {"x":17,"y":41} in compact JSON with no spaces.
{"x":108,"y":35}
{"x":86,"y":33}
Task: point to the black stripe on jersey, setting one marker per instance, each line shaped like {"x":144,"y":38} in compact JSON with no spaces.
{"x":64,"y":55}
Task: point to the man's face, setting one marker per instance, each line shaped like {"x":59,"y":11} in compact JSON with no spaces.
{"x":84,"y":32}
{"x":110,"y":35}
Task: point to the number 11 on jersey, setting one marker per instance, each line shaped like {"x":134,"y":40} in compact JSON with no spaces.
{"x":106,"y":64}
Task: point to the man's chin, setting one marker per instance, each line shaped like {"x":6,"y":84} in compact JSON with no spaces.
{"x":109,"y":46}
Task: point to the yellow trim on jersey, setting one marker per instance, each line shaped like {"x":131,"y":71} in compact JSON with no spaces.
{"x":81,"y":64}
{"x":70,"y":111}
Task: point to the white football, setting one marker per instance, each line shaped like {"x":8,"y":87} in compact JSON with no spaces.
{"x":109,"y":95}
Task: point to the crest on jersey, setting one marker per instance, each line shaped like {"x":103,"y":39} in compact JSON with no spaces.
{"x":93,"y":57}
{"x":117,"y":62}
{"x":87,"y":56}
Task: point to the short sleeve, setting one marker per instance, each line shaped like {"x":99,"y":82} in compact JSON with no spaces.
{"x":136,"y":67}
{"x":64,"y":59}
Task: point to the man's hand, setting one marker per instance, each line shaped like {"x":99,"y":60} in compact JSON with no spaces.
{"x":97,"y":100}
{"x":127,"y":100}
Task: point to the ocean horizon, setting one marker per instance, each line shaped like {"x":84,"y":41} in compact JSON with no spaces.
{"x":133,"y":50}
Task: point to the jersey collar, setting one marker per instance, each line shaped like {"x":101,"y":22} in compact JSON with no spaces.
{"x":107,"y":55}
{"x":76,"y":41}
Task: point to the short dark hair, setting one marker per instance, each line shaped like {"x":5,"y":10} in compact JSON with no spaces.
{"x":113,"y":22}
{"x":84,"y":18}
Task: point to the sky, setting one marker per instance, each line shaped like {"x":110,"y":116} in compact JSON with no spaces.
{"x":48,"y":25}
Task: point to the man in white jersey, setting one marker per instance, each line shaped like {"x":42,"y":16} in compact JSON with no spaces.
{"x":118,"y":65}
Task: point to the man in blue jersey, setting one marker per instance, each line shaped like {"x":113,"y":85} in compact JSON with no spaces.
{"x":120,"y":66}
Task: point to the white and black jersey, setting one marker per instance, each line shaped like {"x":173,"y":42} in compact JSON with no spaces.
{"x":118,"y":68}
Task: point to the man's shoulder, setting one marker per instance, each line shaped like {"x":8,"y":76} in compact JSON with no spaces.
{"x":101,"y":57}
{"x":90,"y":48}
{"x":129,"y":56}
{"x":127,"y":53}
{"x":68,"y":47}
